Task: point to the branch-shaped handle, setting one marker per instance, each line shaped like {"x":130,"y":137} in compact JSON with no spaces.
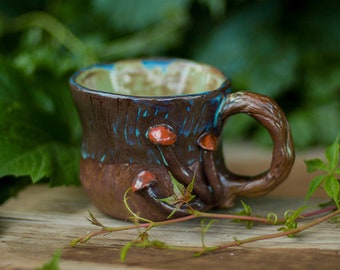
{"x":268,"y":113}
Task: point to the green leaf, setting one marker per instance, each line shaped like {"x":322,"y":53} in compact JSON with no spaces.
{"x":124,"y":250}
{"x":26,"y":149}
{"x":190,"y":187}
{"x":331,"y":186}
{"x":179,"y":192}
{"x":246,"y":208}
{"x":315,"y":165}
{"x":204,"y":228}
{"x":315,"y":183}
{"x":53,"y":264}
{"x":178,"y":188}
{"x":332,"y":154}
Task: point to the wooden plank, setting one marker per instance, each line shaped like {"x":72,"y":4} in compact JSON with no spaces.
{"x":41,"y":220}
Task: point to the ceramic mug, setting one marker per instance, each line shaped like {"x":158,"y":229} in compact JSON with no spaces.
{"x":147,"y":122}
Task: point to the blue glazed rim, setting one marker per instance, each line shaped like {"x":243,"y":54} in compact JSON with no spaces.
{"x":148,"y":63}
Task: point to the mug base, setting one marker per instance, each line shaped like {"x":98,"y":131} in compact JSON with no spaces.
{"x":106,"y":185}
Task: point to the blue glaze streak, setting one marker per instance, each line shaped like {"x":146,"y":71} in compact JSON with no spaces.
{"x":197,"y":128}
{"x":138,"y":113}
{"x":84,"y":154}
{"x":221,"y":101}
{"x":102,"y":158}
{"x":152,"y":154}
{"x":114,"y":127}
{"x":187,"y":131}
{"x":126,"y":133}
{"x":164,"y":160}
{"x":191,"y":161}
{"x":191,"y":148}
{"x":183,"y":124}
{"x":132,"y":131}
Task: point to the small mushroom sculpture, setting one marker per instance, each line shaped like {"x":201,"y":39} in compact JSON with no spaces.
{"x":164,"y":137}
{"x":208,"y":144}
{"x":143,"y":180}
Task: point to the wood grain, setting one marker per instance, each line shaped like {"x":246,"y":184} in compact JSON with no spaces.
{"x":41,"y":220}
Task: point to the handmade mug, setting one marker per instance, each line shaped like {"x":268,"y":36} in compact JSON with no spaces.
{"x":147,"y":122}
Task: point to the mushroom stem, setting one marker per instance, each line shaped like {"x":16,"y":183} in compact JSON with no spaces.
{"x":212,"y":175}
{"x":164,"y":137}
{"x":208,"y":143}
{"x":185,"y":175}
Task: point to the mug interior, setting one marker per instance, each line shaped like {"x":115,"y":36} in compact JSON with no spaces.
{"x":151,"y":77}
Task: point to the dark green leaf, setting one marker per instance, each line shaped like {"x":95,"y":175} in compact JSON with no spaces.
{"x":28,"y":150}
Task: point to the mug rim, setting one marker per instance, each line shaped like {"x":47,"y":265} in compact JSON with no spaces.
{"x":224,"y":86}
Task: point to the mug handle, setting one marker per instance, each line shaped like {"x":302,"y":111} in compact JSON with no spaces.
{"x":266,"y":111}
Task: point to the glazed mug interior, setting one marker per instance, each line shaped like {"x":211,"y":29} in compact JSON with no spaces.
{"x":152,"y":78}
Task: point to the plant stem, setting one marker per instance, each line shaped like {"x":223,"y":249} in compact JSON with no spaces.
{"x":197,"y":214}
{"x":228,"y":216}
{"x":319,"y":211}
{"x":106,"y":230}
{"x":201,"y":250}
{"x":271,"y":236}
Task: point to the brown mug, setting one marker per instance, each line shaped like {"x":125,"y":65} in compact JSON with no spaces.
{"x":147,"y":122}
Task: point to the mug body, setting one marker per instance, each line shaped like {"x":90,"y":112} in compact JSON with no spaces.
{"x":151,"y":133}
{"x":121,"y":105}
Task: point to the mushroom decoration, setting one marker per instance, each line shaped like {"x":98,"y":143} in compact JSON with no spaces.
{"x":164,"y":137}
{"x":143,"y":180}
{"x":208,"y":143}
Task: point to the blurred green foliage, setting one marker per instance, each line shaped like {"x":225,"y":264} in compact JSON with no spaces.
{"x":289,"y":50}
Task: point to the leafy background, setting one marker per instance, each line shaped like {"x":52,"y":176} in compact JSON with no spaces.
{"x":289,"y":50}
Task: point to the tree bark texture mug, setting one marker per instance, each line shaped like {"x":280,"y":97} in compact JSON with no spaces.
{"x":147,"y":122}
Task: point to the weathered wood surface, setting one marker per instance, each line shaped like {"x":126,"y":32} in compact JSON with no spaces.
{"x":41,"y":220}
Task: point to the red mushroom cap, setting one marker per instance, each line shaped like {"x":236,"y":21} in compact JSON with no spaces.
{"x":162,"y":135}
{"x":142,"y":180}
{"x":208,"y":141}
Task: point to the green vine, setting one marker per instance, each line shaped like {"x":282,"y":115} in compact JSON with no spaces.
{"x":331,"y":172}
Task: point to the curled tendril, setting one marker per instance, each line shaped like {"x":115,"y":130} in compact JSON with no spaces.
{"x":272,"y":218}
